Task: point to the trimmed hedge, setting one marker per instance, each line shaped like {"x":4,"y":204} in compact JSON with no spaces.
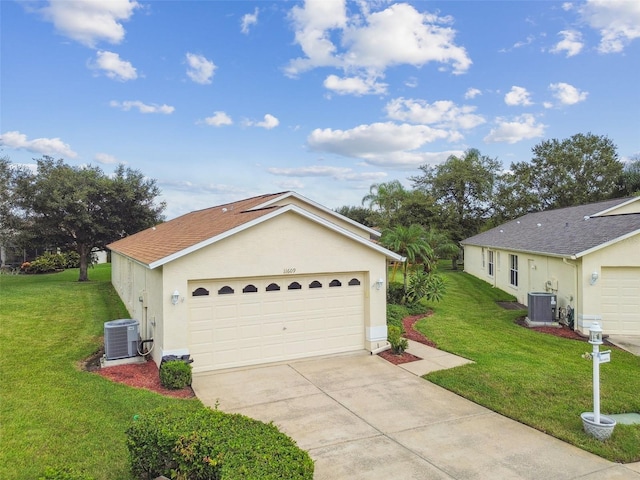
{"x":208,"y":444}
{"x":175,"y":374}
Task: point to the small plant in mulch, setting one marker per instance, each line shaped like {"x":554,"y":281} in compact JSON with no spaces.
{"x":398,"y":344}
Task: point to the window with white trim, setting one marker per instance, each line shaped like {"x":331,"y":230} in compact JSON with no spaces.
{"x":490,"y":263}
{"x":513,"y":270}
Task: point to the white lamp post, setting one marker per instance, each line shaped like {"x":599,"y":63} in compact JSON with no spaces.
{"x":597,"y":425}
{"x":595,"y":339}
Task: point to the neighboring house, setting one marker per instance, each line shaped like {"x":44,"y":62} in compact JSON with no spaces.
{"x":266,"y":279}
{"x":588,"y":256}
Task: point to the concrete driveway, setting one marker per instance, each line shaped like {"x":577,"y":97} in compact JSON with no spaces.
{"x":360,"y":417}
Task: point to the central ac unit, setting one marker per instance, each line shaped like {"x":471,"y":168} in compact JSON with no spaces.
{"x":542,"y":307}
{"x":121,"y":338}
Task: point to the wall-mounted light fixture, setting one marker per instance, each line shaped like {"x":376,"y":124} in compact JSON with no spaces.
{"x":594,"y":278}
{"x":379,"y":284}
{"x":175,"y":297}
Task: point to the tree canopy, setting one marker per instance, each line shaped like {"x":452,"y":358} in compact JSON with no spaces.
{"x":562,"y":173}
{"x":83,"y":209}
{"x":463,"y":187}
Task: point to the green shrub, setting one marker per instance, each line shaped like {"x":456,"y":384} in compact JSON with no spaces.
{"x":175,"y":374}
{"x":395,"y":293}
{"x":398,"y":344}
{"x":52,"y":262}
{"x":395,"y":314}
{"x":63,"y":474}
{"x":209,"y":444}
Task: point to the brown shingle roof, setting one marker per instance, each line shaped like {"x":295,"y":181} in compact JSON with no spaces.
{"x":168,"y":238}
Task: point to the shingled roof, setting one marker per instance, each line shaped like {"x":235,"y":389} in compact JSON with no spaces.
{"x":566,"y":232}
{"x":187,"y":233}
{"x":167,"y":238}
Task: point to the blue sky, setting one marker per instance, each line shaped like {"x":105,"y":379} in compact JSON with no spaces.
{"x":219,"y":101}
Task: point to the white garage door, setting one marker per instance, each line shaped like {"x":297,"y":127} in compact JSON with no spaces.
{"x":621,"y":300}
{"x":250,"y":321}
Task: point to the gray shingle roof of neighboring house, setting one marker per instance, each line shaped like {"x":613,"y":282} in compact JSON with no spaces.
{"x":565,"y":232}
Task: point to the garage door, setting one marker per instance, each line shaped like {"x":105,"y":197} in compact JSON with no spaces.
{"x":250,"y":321}
{"x":621,"y":300}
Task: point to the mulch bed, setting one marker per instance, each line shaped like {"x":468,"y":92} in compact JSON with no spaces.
{"x":410,"y":334}
{"x":140,"y":375}
{"x":145,"y":375}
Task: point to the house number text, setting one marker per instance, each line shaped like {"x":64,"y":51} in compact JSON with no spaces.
{"x":289,"y":270}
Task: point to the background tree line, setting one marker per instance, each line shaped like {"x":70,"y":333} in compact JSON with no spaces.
{"x":470,"y":193}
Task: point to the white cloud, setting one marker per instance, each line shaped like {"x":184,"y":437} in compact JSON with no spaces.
{"x":106,"y":159}
{"x":113,"y":67}
{"x":200,"y":70}
{"x":472,"y":93}
{"x":567,"y":94}
{"x":617,"y":21}
{"x":248,"y":20}
{"x":567,"y":6}
{"x":268,"y":122}
{"x":571,"y":43}
{"x":387,"y":144}
{"x":521,"y":128}
{"x":218,"y":119}
{"x":442,"y":113}
{"x":518,"y":96}
{"x":354,"y":85}
{"x":142,"y":107}
{"x":44,"y":146}
{"x":90,"y":21}
{"x":337,"y":173}
{"x":370,"y":42}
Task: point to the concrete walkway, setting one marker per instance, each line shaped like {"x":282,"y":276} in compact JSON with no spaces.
{"x":360,"y":417}
{"x":630,"y":343}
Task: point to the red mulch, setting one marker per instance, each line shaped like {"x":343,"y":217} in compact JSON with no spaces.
{"x":411,"y":334}
{"x":562,"y":331}
{"x":140,"y":375}
{"x":145,"y":375}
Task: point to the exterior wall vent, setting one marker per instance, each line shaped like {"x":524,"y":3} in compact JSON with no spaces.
{"x":542,"y":307}
{"x":121,"y":338}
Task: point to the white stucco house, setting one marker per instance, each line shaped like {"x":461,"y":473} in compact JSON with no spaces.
{"x":588,"y":256}
{"x":270,"y":278}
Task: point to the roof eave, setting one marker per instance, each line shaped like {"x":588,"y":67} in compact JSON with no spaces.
{"x":279,"y":211}
{"x":286,"y":195}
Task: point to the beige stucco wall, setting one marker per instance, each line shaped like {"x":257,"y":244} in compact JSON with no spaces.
{"x":633,"y":207}
{"x":333,"y":218}
{"x":140,"y":289}
{"x":569,"y":279}
{"x":625,"y":253}
{"x":288,"y":242}
{"x":536,"y":273}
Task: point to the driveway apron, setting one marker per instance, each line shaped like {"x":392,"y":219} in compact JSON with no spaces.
{"x":360,"y":417}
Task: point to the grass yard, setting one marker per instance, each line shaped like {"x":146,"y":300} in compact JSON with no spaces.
{"x":54,"y":414}
{"x":538,"y":379}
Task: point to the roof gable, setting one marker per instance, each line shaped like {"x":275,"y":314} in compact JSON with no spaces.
{"x":565,"y":232}
{"x":178,"y":237}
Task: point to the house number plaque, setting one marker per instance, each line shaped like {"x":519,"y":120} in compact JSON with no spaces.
{"x":289,"y":270}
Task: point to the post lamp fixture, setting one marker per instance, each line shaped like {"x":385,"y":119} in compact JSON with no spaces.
{"x":595,"y":339}
{"x":598,"y":426}
{"x":175,"y":297}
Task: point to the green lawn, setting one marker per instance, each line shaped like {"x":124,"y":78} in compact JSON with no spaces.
{"x":538,"y":379}
{"x":52,"y":413}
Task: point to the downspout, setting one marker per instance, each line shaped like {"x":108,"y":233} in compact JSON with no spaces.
{"x":575,"y":268}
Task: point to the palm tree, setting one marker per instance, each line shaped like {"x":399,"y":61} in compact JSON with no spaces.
{"x":386,"y":199}
{"x":442,"y":247}
{"x":410,"y":243}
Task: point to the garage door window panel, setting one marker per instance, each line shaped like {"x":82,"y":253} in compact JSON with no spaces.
{"x":294,"y":286}
{"x":226,"y":290}
{"x":335,"y":283}
{"x":315,"y":284}
{"x":273,"y":287}
{"x":200,"y":292}
{"x":250,"y":289}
